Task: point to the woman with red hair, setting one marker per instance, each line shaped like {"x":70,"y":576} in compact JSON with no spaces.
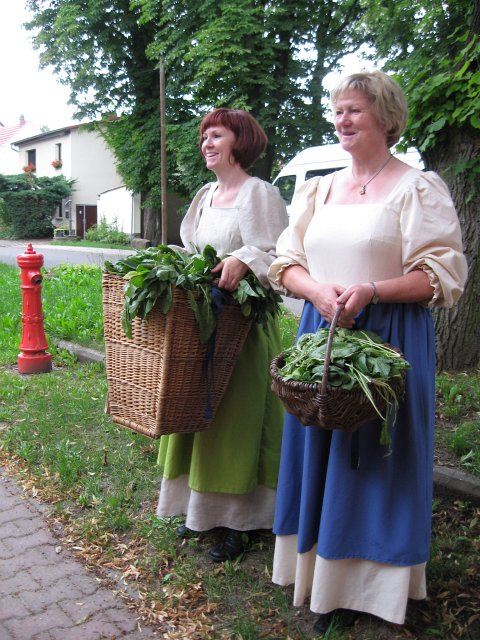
{"x":226,"y":477}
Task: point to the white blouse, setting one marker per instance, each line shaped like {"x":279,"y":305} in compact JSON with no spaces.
{"x":249,"y":230}
{"x":415,"y":227}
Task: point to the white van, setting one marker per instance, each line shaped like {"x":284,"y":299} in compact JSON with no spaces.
{"x":318,"y":161}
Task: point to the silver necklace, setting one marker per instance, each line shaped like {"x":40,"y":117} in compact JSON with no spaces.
{"x":363,"y":190}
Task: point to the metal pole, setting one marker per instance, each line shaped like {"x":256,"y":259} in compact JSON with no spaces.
{"x":163,"y":175}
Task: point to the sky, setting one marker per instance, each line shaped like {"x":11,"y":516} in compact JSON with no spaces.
{"x":26,"y":90}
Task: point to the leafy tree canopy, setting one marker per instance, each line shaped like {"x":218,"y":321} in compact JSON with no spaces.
{"x":269,"y":58}
{"x":53,"y":189}
{"x":434,"y":49}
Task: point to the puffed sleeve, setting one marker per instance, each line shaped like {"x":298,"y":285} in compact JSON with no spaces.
{"x":262,"y":216}
{"x":191,"y":219}
{"x":432,"y":239}
{"x":290,"y":249}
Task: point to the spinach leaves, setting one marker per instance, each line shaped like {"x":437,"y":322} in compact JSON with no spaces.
{"x":152,"y":273}
{"x":357,"y":358}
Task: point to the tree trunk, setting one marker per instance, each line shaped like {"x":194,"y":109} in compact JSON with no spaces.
{"x":263,"y":166}
{"x":457,"y":329}
{"x":152,"y":224}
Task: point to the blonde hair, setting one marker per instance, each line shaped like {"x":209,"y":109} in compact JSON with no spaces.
{"x":386,"y":96}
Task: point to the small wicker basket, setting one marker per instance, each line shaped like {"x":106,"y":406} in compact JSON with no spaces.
{"x":156,"y":380}
{"x":320,"y":405}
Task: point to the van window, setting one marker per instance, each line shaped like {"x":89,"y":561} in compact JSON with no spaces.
{"x":319,"y":172}
{"x":286,"y":186}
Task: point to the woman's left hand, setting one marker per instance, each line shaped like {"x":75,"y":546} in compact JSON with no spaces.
{"x":355,"y":298}
{"x":231,"y":271}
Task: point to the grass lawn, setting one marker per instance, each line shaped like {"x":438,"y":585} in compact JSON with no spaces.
{"x":102,"y":481}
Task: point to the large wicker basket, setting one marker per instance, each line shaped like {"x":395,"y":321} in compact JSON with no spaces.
{"x":157,"y":381}
{"x":320,"y":405}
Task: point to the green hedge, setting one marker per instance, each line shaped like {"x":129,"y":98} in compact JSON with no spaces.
{"x":29,"y":203}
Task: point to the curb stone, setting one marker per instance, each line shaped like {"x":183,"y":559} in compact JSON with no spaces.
{"x":453,"y":483}
{"x":83,"y":354}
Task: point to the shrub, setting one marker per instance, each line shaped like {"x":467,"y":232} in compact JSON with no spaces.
{"x":105,"y":232}
{"x":29,"y":203}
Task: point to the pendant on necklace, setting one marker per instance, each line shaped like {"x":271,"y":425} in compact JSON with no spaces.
{"x":363,"y":190}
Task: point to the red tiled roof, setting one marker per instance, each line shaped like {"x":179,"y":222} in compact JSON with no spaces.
{"x":8,"y":132}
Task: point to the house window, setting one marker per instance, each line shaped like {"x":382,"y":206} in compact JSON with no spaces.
{"x":66,"y":204}
{"x":58,"y":151}
{"x":32,"y":157}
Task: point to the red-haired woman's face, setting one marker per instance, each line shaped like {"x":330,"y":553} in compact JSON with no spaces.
{"x":217,"y":145}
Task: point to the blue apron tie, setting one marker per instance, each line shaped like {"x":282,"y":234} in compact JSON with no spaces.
{"x":219,"y":298}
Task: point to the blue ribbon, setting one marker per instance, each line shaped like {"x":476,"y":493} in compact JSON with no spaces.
{"x":219,"y":298}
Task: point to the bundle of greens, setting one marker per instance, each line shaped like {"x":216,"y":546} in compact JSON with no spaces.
{"x":151,"y":274}
{"x":357,"y":358}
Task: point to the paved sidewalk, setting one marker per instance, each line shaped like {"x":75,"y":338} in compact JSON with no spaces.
{"x":45,"y":594}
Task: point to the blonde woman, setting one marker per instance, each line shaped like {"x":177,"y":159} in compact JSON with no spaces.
{"x":353,"y":520}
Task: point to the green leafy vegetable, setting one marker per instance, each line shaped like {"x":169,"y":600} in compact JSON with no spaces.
{"x":151,"y":274}
{"x":357,"y":358}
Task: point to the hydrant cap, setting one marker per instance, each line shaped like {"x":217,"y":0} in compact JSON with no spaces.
{"x":30,"y":258}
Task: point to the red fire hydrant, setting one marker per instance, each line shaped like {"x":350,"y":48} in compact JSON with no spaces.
{"x":34,"y":358}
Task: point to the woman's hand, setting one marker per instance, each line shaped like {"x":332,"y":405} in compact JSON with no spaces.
{"x":323,"y":295}
{"x":325,"y":298}
{"x":231,"y":271}
{"x":355,"y":298}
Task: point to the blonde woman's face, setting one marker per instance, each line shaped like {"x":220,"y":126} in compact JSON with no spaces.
{"x":356,"y":122}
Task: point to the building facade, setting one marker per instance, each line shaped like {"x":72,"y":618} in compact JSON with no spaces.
{"x":79,"y":154}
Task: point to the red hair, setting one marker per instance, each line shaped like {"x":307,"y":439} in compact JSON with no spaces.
{"x":250,"y":139}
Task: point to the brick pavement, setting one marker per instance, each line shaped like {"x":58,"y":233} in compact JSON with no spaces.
{"x":45,"y":594}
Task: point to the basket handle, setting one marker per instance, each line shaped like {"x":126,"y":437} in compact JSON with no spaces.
{"x":328,"y":352}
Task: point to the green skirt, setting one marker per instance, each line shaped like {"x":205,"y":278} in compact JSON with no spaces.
{"x":240,"y":450}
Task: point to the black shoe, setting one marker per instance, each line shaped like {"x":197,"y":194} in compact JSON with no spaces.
{"x":347,"y":617}
{"x":344,"y":618}
{"x":230,"y":547}
{"x":184,"y":532}
{"x":323,"y":622}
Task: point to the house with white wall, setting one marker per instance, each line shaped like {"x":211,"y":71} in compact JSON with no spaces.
{"x":122,"y":208}
{"x":79,"y":154}
{"x":119,"y":207}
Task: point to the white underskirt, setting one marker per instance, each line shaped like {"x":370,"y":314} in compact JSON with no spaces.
{"x":204,"y":511}
{"x":380,"y":589}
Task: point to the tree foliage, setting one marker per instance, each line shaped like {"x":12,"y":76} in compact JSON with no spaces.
{"x":268,"y":58}
{"x":434,"y":49}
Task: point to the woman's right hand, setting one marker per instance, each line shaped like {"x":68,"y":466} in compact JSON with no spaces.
{"x":231,"y":271}
{"x":324,"y":297}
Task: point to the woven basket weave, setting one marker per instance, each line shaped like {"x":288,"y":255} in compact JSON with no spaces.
{"x":156,"y":380}
{"x":320,"y":405}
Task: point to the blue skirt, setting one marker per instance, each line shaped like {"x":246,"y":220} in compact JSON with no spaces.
{"x":380,"y":511}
